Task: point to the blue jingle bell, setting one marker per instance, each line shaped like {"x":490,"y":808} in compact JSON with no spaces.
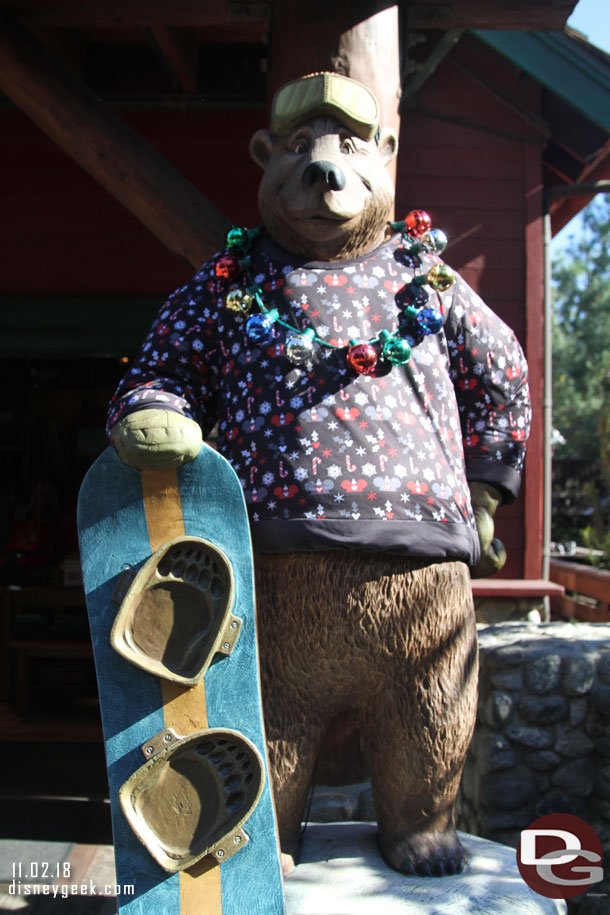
{"x":259,"y":328}
{"x":430,"y":321}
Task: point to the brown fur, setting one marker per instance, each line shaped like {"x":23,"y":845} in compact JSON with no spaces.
{"x":314,"y":221}
{"x":395,"y":639}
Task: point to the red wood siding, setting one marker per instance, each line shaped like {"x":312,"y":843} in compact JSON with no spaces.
{"x":61,"y":233}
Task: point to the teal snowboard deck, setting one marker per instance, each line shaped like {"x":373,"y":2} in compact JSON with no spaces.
{"x":124,"y":517}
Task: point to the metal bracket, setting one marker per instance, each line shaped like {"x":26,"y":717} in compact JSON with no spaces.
{"x":229,"y":635}
{"x":122,"y":586}
{"x":158,"y":742}
{"x":230,"y":845}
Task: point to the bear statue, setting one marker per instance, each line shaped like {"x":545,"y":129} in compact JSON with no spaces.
{"x":376,"y":412}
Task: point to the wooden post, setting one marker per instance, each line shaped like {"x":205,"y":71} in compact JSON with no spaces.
{"x":357,"y":38}
{"x":114,"y":154}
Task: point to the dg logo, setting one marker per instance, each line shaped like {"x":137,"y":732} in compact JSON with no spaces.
{"x":560,"y":856}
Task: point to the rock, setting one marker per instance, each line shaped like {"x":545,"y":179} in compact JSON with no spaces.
{"x":530,"y":736}
{"x":543,"y":673}
{"x":579,"y":676}
{"x":542,"y":709}
{"x":507,"y":792}
{"x":341,"y":872}
{"x":596,"y":901}
{"x":509,"y":819}
{"x":602,"y":745}
{"x":498,"y":708}
{"x":576,"y":777}
{"x":496,"y":753}
{"x":542,"y":760}
{"x":601,"y":700}
{"x":560,"y":802}
{"x":511,"y":680}
{"x":603,"y":667}
{"x":578,"y":712}
{"x":571,"y":742}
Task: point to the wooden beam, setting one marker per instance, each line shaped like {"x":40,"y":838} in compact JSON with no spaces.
{"x":124,"y":13}
{"x":178,"y":51}
{"x":543,"y":15}
{"x":521,"y":15}
{"x":114,"y":154}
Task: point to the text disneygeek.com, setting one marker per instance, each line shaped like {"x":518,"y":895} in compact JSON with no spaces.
{"x":64,"y":890}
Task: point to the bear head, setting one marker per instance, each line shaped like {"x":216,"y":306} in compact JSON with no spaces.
{"x":325,"y":194}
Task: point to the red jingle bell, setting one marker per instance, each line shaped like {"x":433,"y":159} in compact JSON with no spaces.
{"x":362,"y":358}
{"x":417,"y":222}
{"x":227,"y":267}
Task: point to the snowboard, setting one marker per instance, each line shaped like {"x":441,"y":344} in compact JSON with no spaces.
{"x":167,"y":571}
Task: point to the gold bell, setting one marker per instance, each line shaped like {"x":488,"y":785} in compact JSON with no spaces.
{"x":440,"y":277}
{"x":239,"y":301}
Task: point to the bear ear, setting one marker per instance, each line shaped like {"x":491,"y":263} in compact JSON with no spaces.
{"x":388,"y":145}
{"x":261,"y":145}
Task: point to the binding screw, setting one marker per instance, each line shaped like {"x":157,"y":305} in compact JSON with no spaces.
{"x":220,"y":853}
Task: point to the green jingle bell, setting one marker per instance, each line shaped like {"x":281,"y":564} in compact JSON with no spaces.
{"x":237,"y":239}
{"x":239,"y":301}
{"x":394,"y":350}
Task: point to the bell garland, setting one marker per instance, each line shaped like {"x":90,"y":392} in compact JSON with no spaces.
{"x":418,"y":319}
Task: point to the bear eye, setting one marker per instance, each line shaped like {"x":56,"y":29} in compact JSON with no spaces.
{"x":300,"y":146}
{"x":347,"y":146}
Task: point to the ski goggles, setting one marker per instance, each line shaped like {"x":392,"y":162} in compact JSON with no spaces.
{"x":326,"y":93}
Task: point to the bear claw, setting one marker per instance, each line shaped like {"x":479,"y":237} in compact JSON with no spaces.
{"x":427,"y":856}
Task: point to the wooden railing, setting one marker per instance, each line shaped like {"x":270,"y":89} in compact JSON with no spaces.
{"x":588,"y":592}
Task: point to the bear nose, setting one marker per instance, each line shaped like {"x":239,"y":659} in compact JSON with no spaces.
{"x":326,"y":172}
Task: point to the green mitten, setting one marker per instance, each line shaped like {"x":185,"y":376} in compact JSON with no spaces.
{"x":485,"y":500}
{"x":156,"y":439}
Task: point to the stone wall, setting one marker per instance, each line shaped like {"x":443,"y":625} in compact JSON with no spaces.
{"x":542,"y":740}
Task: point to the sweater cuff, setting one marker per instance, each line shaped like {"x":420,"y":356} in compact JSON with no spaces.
{"x":504,"y":478}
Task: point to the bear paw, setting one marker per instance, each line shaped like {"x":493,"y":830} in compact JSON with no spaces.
{"x":426,"y":854}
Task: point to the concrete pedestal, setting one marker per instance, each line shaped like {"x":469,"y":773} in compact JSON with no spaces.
{"x":342,"y":873}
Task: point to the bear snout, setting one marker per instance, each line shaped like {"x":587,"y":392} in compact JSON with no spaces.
{"x":323,"y":172}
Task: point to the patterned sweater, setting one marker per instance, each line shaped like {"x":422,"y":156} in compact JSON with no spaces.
{"x":331,"y":459}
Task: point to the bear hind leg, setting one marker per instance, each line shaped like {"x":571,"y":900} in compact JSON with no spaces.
{"x":416,"y":736}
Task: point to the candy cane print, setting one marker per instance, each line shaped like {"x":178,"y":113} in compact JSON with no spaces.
{"x":351,"y":467}
{"x":283,"y":470}
{"x":401,"y":398}
{"x":342,"y":393}
{"x":374,"y":391}
{"x":439,"y":468}
{"x":315,"y":464}
{"x":253,"y":472}
{"x":278,"y":399}
{"x":338,"y":327}
{"x":224,"y":350}
{"x":249,"y":403}
{"x":412,"y":466}
{"x":310,"y":392}
{"x":512,"y":420}
{"x":383,"y":460}
{"x":366,"y":326}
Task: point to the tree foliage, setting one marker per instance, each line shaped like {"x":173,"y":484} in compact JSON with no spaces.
{"x":581,"y":339}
